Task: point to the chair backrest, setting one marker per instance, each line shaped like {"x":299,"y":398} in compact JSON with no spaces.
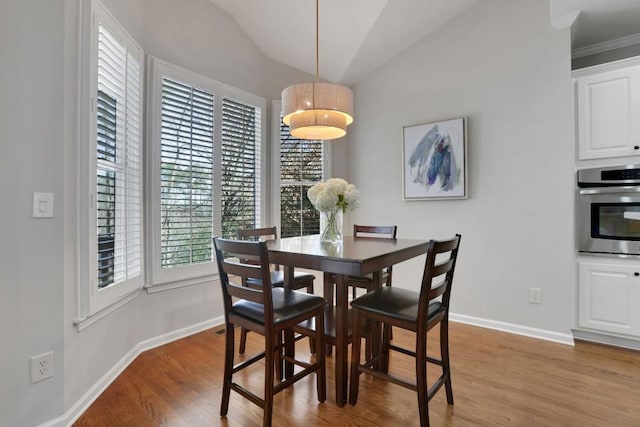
{"x":233,"y":271}
{"x":258,"y":234}
{"x":384,"y":231}
{"x":438,"y":274}
{"x":262,"y":234}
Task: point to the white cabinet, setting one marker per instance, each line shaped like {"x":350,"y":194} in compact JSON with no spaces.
{"x":609,"y":296}
{"x":608,"y":110}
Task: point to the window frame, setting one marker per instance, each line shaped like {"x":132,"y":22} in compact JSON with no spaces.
{"x":94,"y":302}
{"x":175,"y":277}
{"x":276,"y":110}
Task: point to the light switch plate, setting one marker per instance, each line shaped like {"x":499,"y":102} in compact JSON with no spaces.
{"x":43,"y":205}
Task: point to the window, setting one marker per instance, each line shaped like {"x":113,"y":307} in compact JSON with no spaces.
{"x":301,"y":164}
{"x":205,"y":156}
{"x":112,"y":164}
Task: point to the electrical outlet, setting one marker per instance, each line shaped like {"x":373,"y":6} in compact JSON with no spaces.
{"x":41,"y":366}
{"x":535,"y":295}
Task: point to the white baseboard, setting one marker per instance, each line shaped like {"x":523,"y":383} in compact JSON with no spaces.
{"x":542,"y":334}
{"x":607,"y":339}
{"x":82,"y":404}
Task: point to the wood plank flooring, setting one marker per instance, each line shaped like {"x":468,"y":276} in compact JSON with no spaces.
{"x":499,"y":379}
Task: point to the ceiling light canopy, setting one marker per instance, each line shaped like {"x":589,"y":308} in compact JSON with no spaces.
{"x":318,"y":110}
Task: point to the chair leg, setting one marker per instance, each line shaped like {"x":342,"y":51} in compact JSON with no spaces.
{"x":355,"y":358}
{"x":421,"y":379}
{"x":269,"y":366}
{"x":444,"y":356}
{"x":384,"y":349}
{"x":279,"y":361}
{"x":243,"y":340}
{"x":229,"y":348}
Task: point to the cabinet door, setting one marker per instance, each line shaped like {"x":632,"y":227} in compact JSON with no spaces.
{"x":608,"y":111}
{"x":609,"y":298}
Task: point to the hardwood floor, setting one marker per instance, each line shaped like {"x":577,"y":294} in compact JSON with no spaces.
{"x":499,"y":379}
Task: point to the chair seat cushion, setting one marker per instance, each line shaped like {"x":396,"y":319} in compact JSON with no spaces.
{"x":300,"y":279}
{"x":287,"y":305}
{"x":365,"y":281}
{"x":394,"y":302}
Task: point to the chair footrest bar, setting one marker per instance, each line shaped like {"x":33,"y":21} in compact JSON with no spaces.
{"x":388,"y":377}
{"x":402,"y":350}
{"x":248,"y":362}
{"x":434,"y":361}
{"x":435,"y":387}
{"x":287,"y":382}
{"x":247,"y":394}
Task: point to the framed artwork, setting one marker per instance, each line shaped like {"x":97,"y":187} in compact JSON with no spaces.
{"x":434,"y":161}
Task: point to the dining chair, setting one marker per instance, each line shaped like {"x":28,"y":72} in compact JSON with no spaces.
{"x":377,"y":231}
{"x":414,"y":311}
{"x":301,"y":280}
{"x":365,"y":282}
{"x":270,"y":312}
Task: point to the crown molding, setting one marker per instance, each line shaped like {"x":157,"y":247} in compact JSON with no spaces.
{"x":606,"y":46}
{"x":565,"y":21}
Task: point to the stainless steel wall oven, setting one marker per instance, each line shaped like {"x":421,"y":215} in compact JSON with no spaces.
{"x":608,"y":210}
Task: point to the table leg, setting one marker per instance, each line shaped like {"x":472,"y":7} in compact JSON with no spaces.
{"x":342,"y":307}
{"x":376,"y":331}
{"x":328,"y":284}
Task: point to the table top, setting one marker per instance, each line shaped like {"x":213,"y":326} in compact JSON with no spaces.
{"x":355,"y":256}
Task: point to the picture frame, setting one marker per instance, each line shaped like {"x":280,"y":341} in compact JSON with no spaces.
{"x":434,"y":160}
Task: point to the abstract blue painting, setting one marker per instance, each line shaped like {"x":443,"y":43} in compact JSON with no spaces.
{"x":434,"y":160}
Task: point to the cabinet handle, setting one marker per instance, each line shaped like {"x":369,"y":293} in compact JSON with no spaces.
{"x":636,"y":147}
{"x":636,"y":274}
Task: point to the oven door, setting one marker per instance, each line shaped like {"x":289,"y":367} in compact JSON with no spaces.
{"x":609,"y":220}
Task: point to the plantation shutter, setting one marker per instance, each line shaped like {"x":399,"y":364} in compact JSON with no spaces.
{"x":119,"y":164}
{"x":301,"y":166}
{"x":241,"y":124}
{"x":186,"y":174}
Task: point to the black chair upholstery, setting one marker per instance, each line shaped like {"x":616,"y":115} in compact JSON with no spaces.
{"x":267,"y":311}
{"x":417,"y":312}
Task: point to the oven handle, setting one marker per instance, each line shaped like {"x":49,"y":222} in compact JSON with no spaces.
{"x":610,"y":190}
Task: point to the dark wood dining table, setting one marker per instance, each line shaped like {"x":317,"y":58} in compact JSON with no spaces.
{"x":354,"y":257}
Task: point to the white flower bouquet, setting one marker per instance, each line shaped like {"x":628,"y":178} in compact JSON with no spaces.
{"x":333,"y":198}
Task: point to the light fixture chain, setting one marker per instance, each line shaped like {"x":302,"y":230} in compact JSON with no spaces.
{"x":313,"y":94}
{"x":317,"y":40}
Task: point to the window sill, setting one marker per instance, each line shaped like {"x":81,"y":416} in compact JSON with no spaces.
{"x":85,"y":322}
{"x":167,"y":286}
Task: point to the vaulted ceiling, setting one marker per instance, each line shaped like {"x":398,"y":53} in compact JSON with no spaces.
{"x":358,"y":36}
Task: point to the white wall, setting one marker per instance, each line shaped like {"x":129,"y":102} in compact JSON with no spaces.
{"x":31,"y":273}
{"x":505,"y":68}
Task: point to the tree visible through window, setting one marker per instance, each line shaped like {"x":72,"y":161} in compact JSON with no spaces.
{"x":240,"y":162}
{"x":301,"y":166}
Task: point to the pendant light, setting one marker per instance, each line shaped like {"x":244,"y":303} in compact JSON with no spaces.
{"x":318,"y":110}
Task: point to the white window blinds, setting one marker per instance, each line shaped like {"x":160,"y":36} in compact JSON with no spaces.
{"x":118,"y":161}
{"x":241,"y":124}
{"x":186,"y":174}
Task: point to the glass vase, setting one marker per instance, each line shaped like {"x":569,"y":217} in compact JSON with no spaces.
{"x":331,"y":226}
